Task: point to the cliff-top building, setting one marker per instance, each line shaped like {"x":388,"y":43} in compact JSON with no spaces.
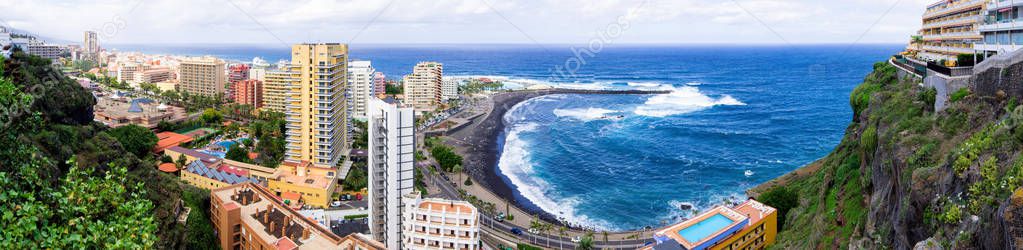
{"x":750,"y":225}
{"x":950,"y":28}
{"x":1002,"y":30}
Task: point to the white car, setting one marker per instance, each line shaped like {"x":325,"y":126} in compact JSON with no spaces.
{"x":577,"y":239}
{"x":335,"y":204}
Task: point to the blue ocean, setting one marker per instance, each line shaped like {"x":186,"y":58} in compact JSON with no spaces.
{"x":735,"y":116}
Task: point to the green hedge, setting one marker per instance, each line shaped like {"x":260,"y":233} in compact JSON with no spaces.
{"x":356,"y":216}
{"x":524,"y":246}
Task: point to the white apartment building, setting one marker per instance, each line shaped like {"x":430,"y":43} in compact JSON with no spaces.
{"x":258,"y":69}
{"x":1002,"y":29}
{"x":391,"y":147}
{"x":48,"y":51}
{"x":423,"y":86}
{"x":449,"y":90}
{"x":360,"y":83}
{"x":439,"y":224}
{"x":90,"y":44}
{"x":202,"y":76}
{"x":950,"y":28}
{"x":154,"y":75}
{"x":126,"y":71}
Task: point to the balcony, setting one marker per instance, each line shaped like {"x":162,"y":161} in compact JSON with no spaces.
{"x":948,"y":49}
{"x":953,"y":35}
{"x":1000,"y":48}
{"x":955,"y":22}
{"x":962,"y":5}
{"x":999,"y":4}
{"x":1001,"y":25}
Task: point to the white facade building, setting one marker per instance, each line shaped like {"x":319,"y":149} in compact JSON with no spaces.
{"x":449,"y":90}
{"x":391,"y":161}
{"x":48,"y":51}
{"x":360,"y":82}
{"x":439,"y":224}
{"x":423,"y":86}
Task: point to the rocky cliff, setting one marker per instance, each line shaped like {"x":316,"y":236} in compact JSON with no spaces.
{"x":905,"y":176}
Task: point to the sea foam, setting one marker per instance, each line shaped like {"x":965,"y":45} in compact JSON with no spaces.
{"x":682,"y":100}
{"x":584,"y":114}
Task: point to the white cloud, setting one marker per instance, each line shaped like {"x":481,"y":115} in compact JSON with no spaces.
{"x":469,"y":21}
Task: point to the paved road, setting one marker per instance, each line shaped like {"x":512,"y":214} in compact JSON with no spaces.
{"x":503,"y":229}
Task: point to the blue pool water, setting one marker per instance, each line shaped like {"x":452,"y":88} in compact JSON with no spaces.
{"x":766,"y":109}
{"x":227,"y":144}
{"x":697,"y":232}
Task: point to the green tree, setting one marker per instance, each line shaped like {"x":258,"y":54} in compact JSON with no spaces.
{"x":182,"y":161}
{"x":781,"y":198}
{"x":586,"y":242}
{"x":458,"y":169}
{"x":237,"y":153}
{"x":135,"y":139}
{"x":211,"y":116}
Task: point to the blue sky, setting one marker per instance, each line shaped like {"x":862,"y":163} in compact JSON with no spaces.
{"x":471,"y":21}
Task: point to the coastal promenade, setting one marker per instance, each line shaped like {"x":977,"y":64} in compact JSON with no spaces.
{"x":478,"y":143}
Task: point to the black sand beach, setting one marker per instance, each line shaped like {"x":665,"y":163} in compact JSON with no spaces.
{"x":478,"y":142}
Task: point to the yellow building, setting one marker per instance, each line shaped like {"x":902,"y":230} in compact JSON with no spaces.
{"x":950,"y":28}
{"x":216,"y":174}
{"x":276,"y":84}
{"x":314,"y":186}
{"x":317,"y":119}
{"x":750,"y":225}
{"x":201,"y":76}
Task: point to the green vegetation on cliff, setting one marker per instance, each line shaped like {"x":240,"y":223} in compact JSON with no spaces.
{"x":905,"y":174}
{"x":69,"y":182}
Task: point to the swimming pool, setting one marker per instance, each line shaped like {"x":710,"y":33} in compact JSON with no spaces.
{"x":705,"y":228}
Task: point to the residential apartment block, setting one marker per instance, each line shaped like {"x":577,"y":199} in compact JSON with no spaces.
{"x":316,"y":107}
{"x":276,"y":84}
{"x":360,"y":84}
{"x":391,"y":146}
{"x":249,"y":92}
{"x":201,"y":76}
{"x":430,"y":223}
{"x":950,"y":28}
{"x":248,"y":216}
{"x":1002,"y":29}
{"x":423,"y":86}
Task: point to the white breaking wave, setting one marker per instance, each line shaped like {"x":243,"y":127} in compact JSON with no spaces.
{"x":584,"y":114}
{"x":682,"y":100}
{"x":515,"y":164}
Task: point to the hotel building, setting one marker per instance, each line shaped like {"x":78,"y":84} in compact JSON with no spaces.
{"x":317,"y":119}
{"x":391,"y":146}
{"x":423,"y":86}
{"x":439,"y":224}
{"x":379,"y":83}
{"x":249,"y":92}
{"x":90,"y":43}
{"x":276,"y":85}
{"x":248,"y":216}
{"x":360,"y":83}
{"x":449,"y":90}
{"x":48,"y":51}
{"x":152,"y":74}
{"x":750,"y":225}
{"x":235,"y":74}
{"x":950,"y":28}
{"x":126,"y":71}
{"x":1002,"y":29}
{"x":201,"y":76}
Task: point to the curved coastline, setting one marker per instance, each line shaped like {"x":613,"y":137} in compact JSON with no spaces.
{"x":481,"y":142}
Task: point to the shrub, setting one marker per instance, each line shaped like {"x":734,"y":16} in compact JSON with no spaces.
{"x":928,"y":96}
{"x":135,"y":139}
{"x":468,"y":182}
{"x":524,"y":246}
{"x":356,"y":216}
{"x":959,"y":95}
{"x":781,"y":198}
{"x":868,"y":141}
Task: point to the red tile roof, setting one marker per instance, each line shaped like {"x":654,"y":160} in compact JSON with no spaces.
{"x":291,"y":196}
{"x":170,"y":139}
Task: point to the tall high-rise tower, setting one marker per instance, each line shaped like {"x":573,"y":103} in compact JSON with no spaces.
{"x":391,"y":146}
{"x":315,"y":105}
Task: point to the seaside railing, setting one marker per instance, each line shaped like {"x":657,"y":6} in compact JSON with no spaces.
{"x":950,"y":71}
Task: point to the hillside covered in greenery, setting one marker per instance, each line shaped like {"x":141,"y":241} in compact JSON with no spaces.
{"x":71,"y":183}
{"x":906,"y":176}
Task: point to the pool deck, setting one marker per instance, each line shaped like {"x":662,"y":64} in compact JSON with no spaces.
{"x":738,"y":222}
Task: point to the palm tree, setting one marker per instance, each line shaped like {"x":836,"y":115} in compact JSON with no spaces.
{"x":586,"y":243}
{"x":561,"y":233}
{"x":458,"y":169}
{"x":605,"y":237}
